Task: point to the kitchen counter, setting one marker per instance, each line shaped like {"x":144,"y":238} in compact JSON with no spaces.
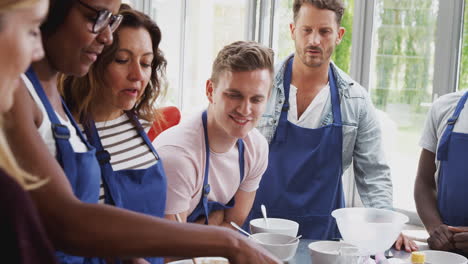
{"x":303,"y":257}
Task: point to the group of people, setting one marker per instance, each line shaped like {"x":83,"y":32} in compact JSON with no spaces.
{"x":81,"y":79}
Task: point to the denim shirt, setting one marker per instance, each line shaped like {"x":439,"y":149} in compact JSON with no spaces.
{"x":362,"y":138}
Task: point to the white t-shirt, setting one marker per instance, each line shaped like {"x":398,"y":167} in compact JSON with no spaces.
{"x":442,"y":109}
{"x":311,"y":116}
{"x":182,"y":151}
{"x":45,"y":128}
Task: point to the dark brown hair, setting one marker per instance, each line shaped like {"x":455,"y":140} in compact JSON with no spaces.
{"x":81,"y":93}
{"x":242,"y":56}
{"x":336,"y":6}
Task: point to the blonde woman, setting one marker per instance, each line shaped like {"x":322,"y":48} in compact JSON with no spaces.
{"x":20,"y":229}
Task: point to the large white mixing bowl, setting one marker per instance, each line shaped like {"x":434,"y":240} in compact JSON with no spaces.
{"x":370,"y":229}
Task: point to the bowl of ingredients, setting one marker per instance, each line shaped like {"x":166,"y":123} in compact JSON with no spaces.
{"x":280,"y":245}
{"x":274,"y":225}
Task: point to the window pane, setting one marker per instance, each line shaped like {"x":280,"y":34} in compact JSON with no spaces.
{"x":284,"y":45}
{"x":211,"y":24}
{"x":401,"y":84}
{"x":463,"y":82}
{"x":168,"y":16}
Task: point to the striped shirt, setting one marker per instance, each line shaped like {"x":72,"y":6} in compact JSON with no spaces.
{"x":127,"y":149}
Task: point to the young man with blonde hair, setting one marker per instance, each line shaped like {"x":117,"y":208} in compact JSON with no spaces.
{"x":214,"y":161}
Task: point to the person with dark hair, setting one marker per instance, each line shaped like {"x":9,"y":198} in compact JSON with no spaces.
{"x":439,"y":190}
{"x":23,"y":238}
{"x":318,"y":121}
{"x":214,"y":161}
{"x":119,"y":91}
{"x":48,"y":143}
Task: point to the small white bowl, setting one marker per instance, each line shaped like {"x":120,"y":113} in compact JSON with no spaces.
{"x":443,"y":257}
{"x":205,"y":260}
{"x":275,"y":225}
{"x":277,"y":244}
{"x":334,"y":252}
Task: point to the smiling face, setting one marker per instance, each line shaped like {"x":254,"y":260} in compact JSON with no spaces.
{"x":20,"y":41}
{"x":73,"y":48}
{"x":128,"y":74}
{"x":315,"y":34}
{"x":238,"y":100}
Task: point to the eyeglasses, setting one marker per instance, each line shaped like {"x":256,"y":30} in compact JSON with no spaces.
{"x":103,"y":19}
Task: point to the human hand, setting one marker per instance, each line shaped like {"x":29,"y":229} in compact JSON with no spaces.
{"x":409,"y":244}
{"x":249,"y":252}
{"x":216,"y":217}
{"x":460,"y":237}
{"x":441,"y":238}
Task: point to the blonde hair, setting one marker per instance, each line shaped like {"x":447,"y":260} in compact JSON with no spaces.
{"x":7,"y":5}
{"x":11,"y":167}
{"x":241,"y":56}
{"x":7,"y":160}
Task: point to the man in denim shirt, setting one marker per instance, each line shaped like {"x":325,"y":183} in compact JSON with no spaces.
{"x":318,"y":120}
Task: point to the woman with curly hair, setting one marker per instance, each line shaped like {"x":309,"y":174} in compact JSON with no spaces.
{"x":115,"y":103}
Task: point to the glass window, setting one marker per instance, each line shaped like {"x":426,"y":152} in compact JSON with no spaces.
{"x":284,"y":45}
{"x":169,"y":17}
{"x":401,"y":84}
{"x":191,"y":41}
{"x":463,"y":81}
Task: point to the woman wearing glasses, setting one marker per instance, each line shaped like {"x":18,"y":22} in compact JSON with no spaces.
{"x":115,"y":103}
{"x":74,"y":34}
{"x":23,"y":237}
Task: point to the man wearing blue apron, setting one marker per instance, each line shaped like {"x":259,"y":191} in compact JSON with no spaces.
{"x":318,"y":120}
{"x":440,"y":189}
{"x":214,"y":160}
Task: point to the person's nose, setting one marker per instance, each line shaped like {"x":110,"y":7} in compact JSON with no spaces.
{"x":38,"y":50}
{"x":135,"y":72}
{"x":314,"y":38}
{"x":245,"y":107}
{"x":105,"y":36}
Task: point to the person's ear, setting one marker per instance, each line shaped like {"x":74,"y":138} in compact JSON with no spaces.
{"x":292,"y":28}
{"x":341,"y":32}
{"x":209,"y":90}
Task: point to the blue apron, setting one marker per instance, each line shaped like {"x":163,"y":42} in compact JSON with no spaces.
{"x":142,"y":190}
{"x":303,"y":178}
{"x":205,"y":207}
{"x":81,"y":169}
{"x":453,"y":172}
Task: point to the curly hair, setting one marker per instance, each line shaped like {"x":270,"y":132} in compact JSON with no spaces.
{"x":81,"y":93}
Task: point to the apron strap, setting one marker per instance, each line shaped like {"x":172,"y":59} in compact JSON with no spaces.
{"x":335,"y":98}
{"x":442,"y":151}
{"x":206,"y":186}
{"x":281,"y":132}
{"x":60,"y":132}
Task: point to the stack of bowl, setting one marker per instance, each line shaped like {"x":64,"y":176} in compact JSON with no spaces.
{"x":276,"y":235}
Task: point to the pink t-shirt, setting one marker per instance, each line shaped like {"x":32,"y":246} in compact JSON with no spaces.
{"x":182,"y":151}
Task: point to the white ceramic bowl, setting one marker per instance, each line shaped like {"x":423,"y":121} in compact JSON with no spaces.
{"x":275,"y":225}
{"x":277,"y":244}
{"x":334,"y":252}
{"x":443,"y":257}
{"x":374,"y":230}
{"x":207,"y":260}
